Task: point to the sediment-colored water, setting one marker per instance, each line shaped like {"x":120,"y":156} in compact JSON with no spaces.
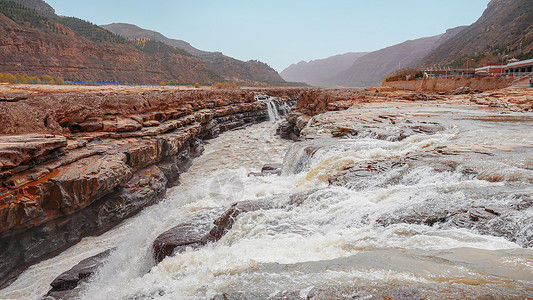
{"x":446,"y":210}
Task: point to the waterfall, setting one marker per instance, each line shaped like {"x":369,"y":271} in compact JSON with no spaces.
{"x":273,"y":112}
{"x":273,"y":105}
{"x":368,"y":209}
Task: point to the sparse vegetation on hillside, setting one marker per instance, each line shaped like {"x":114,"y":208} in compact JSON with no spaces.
{"x":22,"y":15}
{"x":152,"y":47}
{"x":404,"y":75}
{"x":90,"y":31}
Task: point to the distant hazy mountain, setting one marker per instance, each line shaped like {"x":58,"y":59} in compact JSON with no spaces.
{"x":370,"y":69}
{"x":225,"y":67}
{"x":505,"y":28}
{"x":317,"y":72}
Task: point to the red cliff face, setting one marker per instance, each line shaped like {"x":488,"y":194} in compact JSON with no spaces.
{"x":34,"y":52}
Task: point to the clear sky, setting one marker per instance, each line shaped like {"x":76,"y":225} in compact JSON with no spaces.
{"x":282,"y":32}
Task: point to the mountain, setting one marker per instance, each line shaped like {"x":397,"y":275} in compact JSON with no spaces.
{"x":226,"y":67}
{"x":39,"y":6}
{"x":370,"y":69}
{"x":37,"y":42}
{"x":316,"y":72}
{"x":133,"y":32}
{"x":505,"y":28}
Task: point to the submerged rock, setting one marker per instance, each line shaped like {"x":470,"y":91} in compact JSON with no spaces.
{"x":193,"y":234}
{"x":202,"y":229}
{"x":66,"y":285}
{"x":267,"y":170}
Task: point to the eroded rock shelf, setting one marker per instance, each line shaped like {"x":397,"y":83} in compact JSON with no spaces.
{"x":76,"y":164}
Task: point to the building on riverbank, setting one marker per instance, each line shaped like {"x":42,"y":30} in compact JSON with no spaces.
{"x":511,"y":69}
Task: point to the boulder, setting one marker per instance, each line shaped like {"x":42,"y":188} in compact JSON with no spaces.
{"x":64,"y":284}
{"x":192,"y":234}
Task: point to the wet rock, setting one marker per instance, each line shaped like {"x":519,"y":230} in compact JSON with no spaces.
{"x":63,"y":285}
{"x":343,"y":131}
{"x":224,"y":223}
{"x":13,"y":97}
{"x":268,"y":170}
{"x":241,"y":296}
{"x":271,"y":167}
{"x":464,"y":90}
{"x":192,"y":234}
{"x":357,"y":176}
{"x":288,"y":131}
{"x":21,"y":149}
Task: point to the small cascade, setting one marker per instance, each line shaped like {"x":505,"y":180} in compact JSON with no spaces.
{"x":274,"y":106}
{"x":273,"y":113}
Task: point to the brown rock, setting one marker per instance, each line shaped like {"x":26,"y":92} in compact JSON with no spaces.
{"x":192,"y":234}
{"x":120,"y":124}
{"x":63,"y":287}
{"x":20,"y":149}
{"x":224,"y":223}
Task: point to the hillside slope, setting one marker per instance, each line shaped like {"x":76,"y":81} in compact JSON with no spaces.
{"x":37,"y":42}
{"x":505,"y":28}
{"x":35,"y":45}
{"x":131,"y":31}
{"x":226,"y":67}
{"x":39,"y":6}
{"x":316,"y":72}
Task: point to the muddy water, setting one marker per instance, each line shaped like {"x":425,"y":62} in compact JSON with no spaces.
{"x":425,"y":202}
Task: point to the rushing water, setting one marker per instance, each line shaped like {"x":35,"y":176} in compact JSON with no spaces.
{"x":409,"y":222}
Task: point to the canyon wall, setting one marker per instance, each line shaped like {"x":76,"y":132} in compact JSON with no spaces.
{"x":75,"y":164}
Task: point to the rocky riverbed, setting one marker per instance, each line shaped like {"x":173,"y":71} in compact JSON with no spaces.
{"x":74,"y":164}
{"x":387,"y":194}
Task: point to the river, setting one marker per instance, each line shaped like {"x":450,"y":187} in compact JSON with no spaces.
{"x":393,"y":209}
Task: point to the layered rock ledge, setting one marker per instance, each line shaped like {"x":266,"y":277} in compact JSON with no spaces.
{"x":313,"y":102}
{"x":74,"y":164}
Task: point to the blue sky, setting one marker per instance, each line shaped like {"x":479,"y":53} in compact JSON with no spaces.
{"x":283,"y":32}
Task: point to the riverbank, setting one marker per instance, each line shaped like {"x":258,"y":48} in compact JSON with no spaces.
{"x":75,"y":164}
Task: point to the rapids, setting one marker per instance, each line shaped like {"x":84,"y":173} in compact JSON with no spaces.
{"x":420,"y":213}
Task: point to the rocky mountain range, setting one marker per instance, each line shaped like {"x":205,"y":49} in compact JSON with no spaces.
{"x":369,"y":68}
{"x":37,"y":42}
{"x":505,"y":30}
